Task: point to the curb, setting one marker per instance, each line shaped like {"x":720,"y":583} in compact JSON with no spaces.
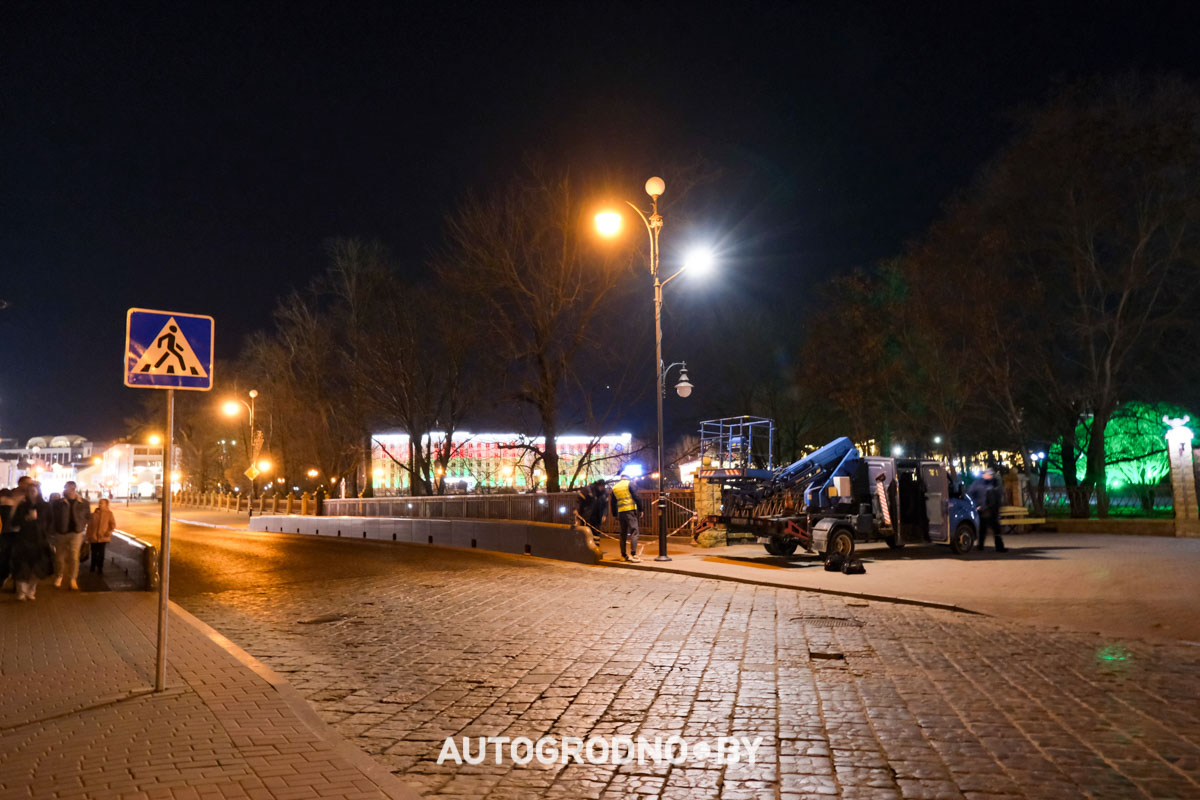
{"x":878,"y":598}
{"x":379,"y":775}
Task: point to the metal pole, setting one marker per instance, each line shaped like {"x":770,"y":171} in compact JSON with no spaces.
{"x":164,"y":555}
{"x":658,"y":385}
{"x":252,"y":454}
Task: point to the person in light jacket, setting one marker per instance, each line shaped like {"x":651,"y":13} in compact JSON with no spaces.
{"x":99,"y":533}
{"x":69,"y":516}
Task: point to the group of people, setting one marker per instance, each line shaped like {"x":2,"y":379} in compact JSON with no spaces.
{"x":595,"y":501}
{"x":40,"y":538}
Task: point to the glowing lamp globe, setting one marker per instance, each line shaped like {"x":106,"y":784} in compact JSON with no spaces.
{"x":655,"y":187}
{"x":684,"y":387}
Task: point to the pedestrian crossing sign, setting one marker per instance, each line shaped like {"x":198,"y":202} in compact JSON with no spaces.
{"x":168,"y":350}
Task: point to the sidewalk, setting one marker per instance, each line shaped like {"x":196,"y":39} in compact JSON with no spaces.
{"x":78,"y":719}
{"x":1138,"y":586}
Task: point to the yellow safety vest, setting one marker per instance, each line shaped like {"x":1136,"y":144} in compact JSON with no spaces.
{"x":624,"y":495}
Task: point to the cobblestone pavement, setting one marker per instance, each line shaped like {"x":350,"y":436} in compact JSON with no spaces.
{"x":853,"y":699}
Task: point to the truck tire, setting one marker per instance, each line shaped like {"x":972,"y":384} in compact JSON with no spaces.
{"x":963,"y":539}
{"x":841,"y":541}
{"x":778,"y":546}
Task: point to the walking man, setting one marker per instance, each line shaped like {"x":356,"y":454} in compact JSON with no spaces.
{"x":987,"y":494}
{"x":69,"y":516}
{"x":628,"y":507}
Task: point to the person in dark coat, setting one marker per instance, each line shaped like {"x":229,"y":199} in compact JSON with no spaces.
{"x":592,"y":507}
{"x":31,"y":558}
{"x":7,"y":534}
{"x":987,"y":493}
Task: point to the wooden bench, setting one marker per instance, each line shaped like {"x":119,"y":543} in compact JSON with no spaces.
{"x":1017,"y":516}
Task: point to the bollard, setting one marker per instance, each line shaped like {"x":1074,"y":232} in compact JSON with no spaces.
{"x":304,"y":504}
{"x":290,"y":502}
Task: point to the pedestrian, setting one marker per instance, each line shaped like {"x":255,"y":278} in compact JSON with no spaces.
{"x":8,"y":535}
{"x":627,"y":507}
{"x":99,"y":533}
{"x":69,"y":517}
{"x":31,"y":557}
{"x":592,"y":502}
{"x":987,"y":493}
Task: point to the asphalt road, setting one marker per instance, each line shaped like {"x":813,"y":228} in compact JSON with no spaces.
{"x":206,"y":559}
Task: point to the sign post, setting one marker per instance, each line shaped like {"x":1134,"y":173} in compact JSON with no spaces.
{"x":167,"y":350}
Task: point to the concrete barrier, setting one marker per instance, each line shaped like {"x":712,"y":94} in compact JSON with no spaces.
{"x":541,"y":539}
{"x":137,"y":560}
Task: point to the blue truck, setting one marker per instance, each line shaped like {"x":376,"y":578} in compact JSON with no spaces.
{"x":835,"y":497}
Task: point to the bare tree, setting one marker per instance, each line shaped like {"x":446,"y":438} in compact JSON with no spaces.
{"x":525,"y":262}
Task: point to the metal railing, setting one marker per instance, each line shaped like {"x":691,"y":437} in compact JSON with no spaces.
{"x":558,"y":508}
{"x":1132,"y":501}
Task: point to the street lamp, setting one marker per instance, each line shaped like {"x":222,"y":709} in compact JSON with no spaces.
{"x":231,"y":410}
{"x":608,"y":223}
{"x":155,"y":440}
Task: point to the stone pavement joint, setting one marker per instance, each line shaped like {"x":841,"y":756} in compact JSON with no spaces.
{"x":80,"y":723}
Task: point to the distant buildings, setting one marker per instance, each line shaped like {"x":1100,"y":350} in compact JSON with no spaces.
{"x":122,"y":469}
{"x":52,"y":460}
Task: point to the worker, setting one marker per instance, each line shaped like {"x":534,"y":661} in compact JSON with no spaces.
{"x":627,"y":507}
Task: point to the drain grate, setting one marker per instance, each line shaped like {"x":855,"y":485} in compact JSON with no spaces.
{"x":829,"y":622}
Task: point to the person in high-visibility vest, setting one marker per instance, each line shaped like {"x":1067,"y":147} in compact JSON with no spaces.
{"x":627,"y":507}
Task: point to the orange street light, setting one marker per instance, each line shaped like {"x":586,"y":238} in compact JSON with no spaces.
{"x":264,"y":466}
{"x":608,"y":223}
{"x":155,"y":440}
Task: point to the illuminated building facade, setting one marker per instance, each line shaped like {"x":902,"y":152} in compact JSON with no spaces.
{"x":489,"y":462}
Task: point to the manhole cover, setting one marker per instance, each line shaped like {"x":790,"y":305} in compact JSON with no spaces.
{"x":829,"y":622}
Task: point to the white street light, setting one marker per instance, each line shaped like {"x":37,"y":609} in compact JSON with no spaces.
{"x":699,"y":260}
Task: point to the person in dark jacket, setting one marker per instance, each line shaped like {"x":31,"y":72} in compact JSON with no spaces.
{"x":987,"y":493}
{"x":31,"y":557}
{"x":592,"y":506}
{"x":69,"y":516}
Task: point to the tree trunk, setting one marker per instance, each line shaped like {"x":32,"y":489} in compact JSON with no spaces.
{"x":1097,"y":460}
{"x":1077,"y":495}
{"x":368,"y":471}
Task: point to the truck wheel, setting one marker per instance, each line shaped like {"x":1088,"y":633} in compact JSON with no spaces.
{"x":779,"y":546}
{"x":963,"y":539}
{"x":841,"y":541}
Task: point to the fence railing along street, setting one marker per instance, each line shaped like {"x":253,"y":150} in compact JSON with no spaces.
{"x":557,"y":508}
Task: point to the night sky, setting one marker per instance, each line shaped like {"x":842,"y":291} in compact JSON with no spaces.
{"x":195,"y":158}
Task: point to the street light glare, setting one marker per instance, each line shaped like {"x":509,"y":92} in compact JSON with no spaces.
{"x":155,"y":440}
{"x":699,"y":260}
{"x":264,"y":466}
{"x":231,"y":408}
{"x":608,"y":223}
